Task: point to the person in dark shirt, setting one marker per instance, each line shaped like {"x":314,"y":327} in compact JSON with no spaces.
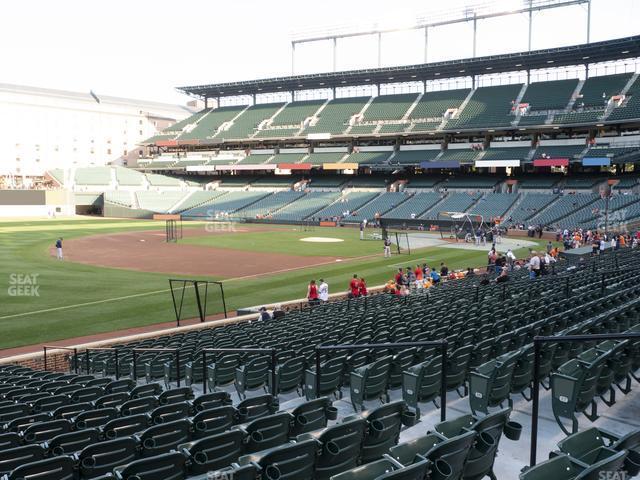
{"x":59,"y":255}
{"x":444,"y":270}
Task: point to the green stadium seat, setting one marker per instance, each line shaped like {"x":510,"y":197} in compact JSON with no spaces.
{"x":213,"y":452}
{"x":370,"y":382}
{"x":384,"y":425}
{"x":563,"y":467}
{"x":287,"y":462}
{"x":340,"y":447}
{"x":490,"y":384}
{"x":56,"y":468}
{"x":168,"y":466}
{"x":253,"y":375}
{"x":165,"y":437}
{"x":386,"y":469}
{"x":266,"y":432}
{"x":11,"y":458}
{"x":213,"y":421}
{"x":101,"y":458}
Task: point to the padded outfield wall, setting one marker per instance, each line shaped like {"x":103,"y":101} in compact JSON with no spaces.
{"x":36,"y":203}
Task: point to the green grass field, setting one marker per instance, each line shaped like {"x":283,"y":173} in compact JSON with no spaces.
{"x":75,"y":299}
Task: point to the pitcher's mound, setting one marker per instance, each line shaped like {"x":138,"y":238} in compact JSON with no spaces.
{"x":321,"y":239}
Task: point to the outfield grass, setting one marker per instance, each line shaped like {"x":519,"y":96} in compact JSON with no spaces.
{"x":76,"y":299}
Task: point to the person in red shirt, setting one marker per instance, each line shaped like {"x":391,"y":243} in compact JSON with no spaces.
{"x":354,"y":287}
{"x":419,"y":273}
{"x":362,"y":289}
{"x":399,"y":276}
{"x":312,"y":293}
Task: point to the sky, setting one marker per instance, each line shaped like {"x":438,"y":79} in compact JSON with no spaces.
{"x":145,"y":48}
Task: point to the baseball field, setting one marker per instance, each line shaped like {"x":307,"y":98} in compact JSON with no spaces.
{"x":115,"y":273}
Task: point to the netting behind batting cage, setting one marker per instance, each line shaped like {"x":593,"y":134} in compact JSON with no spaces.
{"x":197,"y":299}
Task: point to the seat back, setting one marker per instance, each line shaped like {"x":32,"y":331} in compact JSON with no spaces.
{"x":125,"y":426}
{"x":213,"y":421}
{"x":256,"y":407}
{"x":312,"y":415}
{"x":223,"y":371}
{"x":290,"y":374}
{"x":162,"y":438}
{"x":43,"y":431}
{"x":370,"y":381}
{"x":384,"y":425}
{"x":11,"y":458}
{"x":214,"y":451}
{"x":71,"y":442}
{"x":331,"y":373}
{"x":340,"y":447}
{"x":101,"y":458}
{"x":94,"y":418}
{"x":56,"y":468}
{"x":211,"y":400}
{"x":252,"y":375}
{"x":422,"y":382}
{"x":293,"y":461}
{"x":267,"y":432}
{"x":168,"y":466}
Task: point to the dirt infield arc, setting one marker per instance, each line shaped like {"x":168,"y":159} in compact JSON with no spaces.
{"x":148,"y":252}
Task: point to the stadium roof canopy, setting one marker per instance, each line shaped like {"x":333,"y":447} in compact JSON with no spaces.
{"x":596,"y":52}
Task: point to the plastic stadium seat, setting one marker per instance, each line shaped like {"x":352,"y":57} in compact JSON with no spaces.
{"x":43,"y":431}
{"x":14,"y":411}
{"x":138,"y":405}
{"x":489,"y":429}
{"x":164,"y":437}
{"x":592,"y":445}
{"x":125,"y":426}
{"x":175,"y":395}
{"x":331,"y":373}
{"x":370,"y":382}
{"x":119,"y":386}
{"x":213,"y":421}
{"x":401,"y":361}
{"x":386,"y":469}
{"x":256,"y":407}
{"x":149,"y":390}
{"x":294,"y":461}
{"x":211,"y":400}
{"x":103,"y":457}
{"x":573,"y":388}
{"x":421,"y":383}
{"x":289,"y":375}
{"x":170,"y":412}
{"x":223,"y":371}
{"x":253,"y":375}
{"x":87,"y":394}
{"x":9,"y":440}
{"x":71,"y":442}
{"x":94,"y":418}
{"x":170,"y":466}
{"x":384,"y":425}
{"x":14,"y":457}
{"x":312,"y":415}
{"x":340,"y":447}
{"x":266,"y":432}
{"x":21,"y":423}
{"x":236,"y":472}
{"x":213,"y":452}
{"x":490,"y":384}
{"x":49,"y":403}
{"x":111,"y":400}
{"x":563,"y":467}
{"x":56,"y":468}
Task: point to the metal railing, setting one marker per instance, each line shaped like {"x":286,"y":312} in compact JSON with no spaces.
{"x":270,"y":351}
{"x":88,"y":351}
{"x":537,"y":346}
{"x":175,"y":351}
{"x":443,"y":344}
{"x":55,"y":347}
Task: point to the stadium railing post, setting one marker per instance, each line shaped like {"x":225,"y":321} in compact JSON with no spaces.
{"x":274,"y":390}
{"x":198,"y":301}
{"x":177,"y":367}
{"x":115,"y":352}
{"x":204,"y":371}
{"x":443,"y":381}
{"x":134,"y":372}
{"x":44,"y":347}
{"x":87,"y":359}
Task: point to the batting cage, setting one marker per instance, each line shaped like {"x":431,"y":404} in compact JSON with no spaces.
{"x":196,"y":299}
{"x":459,"y":226}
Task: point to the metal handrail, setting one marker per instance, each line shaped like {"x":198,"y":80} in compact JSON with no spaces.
{"x":56,"y":347}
